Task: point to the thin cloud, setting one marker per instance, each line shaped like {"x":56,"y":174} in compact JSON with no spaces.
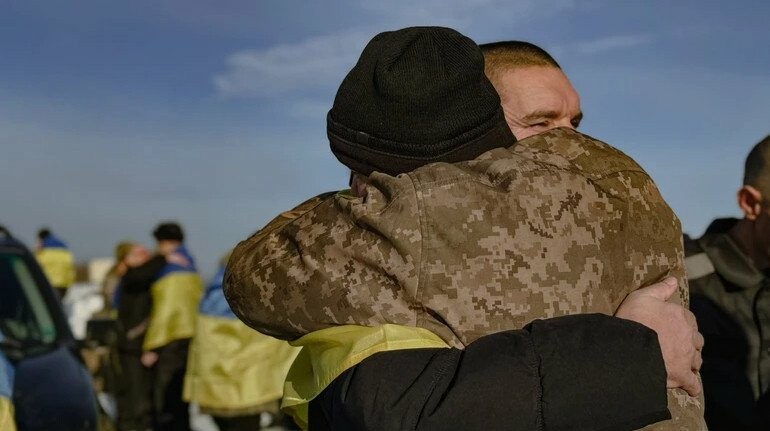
{"x":611,"y":43}
{"x":313,"y":63}
{"x":321,"y":62}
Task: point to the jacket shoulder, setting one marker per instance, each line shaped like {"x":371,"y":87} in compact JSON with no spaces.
{"x":697,"y":263}
{"x":571,"y":149}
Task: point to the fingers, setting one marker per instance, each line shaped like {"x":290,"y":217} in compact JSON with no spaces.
{"x":692,"y":385}
{"x":690,"y":381}
{"x":690,"y":318}
{"x":661,"y":290}
{"x":697,"y":362}
{"x":698,"y":341}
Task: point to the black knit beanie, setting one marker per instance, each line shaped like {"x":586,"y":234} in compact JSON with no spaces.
{"x":416,"y":96}
{"x":168,"y":231}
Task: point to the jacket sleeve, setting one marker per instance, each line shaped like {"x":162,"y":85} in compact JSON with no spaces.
{"x":244,"y":283}
{"x":582,"y":372}
{"x":140,"y":277}
{"x":336,"y":260}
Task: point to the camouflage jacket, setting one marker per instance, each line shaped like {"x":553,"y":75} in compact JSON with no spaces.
{"x":559,"y":223}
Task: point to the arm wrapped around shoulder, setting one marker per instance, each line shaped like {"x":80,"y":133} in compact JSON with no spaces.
{"x":616,"y":366}
{"x":584,"y":372}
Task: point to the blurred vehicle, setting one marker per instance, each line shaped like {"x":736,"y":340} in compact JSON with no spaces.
{"x":52,"y":390}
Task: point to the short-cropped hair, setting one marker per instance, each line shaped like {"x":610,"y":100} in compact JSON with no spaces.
{"x":507,"y":55}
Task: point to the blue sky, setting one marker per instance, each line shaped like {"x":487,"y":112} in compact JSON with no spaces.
{"x":114,"y":115}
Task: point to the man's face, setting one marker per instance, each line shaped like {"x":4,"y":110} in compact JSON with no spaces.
{"x":536,"y":99}
{"x":166,"y":246}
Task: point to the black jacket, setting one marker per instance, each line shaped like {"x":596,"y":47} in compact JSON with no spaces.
{"x":135,"y":303}
{"x":730,"y":298}
{"x":583,"y":372}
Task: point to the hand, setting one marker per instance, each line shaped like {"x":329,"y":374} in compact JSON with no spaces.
{"x":178,"y":259}
{"x":680,"y":341}
{"x":121,"y":268}
{"x":358,"y":185}
{"x":149,"y":359}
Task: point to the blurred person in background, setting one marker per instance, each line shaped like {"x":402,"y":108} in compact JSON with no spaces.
{"x":113,"y":276}
{"x":728,"y":269}
{"x":138,"y":268}
{"x":175,"y":293}
{"x":7,"y":422}
{"x":103,"y":360}
{"x":56,"y":260}
{"x":234,"y":373}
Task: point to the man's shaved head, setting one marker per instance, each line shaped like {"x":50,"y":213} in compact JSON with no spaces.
{"x":757,"y":171}
{"x":753,"y":231}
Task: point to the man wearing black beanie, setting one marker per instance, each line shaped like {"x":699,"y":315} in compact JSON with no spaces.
{"x":341,"y":265}
{"x":416,"y":96}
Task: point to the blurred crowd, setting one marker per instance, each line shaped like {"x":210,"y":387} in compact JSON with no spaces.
{"x":175,"y":340}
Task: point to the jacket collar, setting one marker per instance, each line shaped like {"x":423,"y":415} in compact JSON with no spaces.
{"x":728,"y":259}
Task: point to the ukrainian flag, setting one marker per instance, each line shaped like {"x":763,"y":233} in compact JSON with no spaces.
{"x":175,"y":296}
{"x":7,"y":423}
{"x":57,"y":262}
{"x":232,"y":367}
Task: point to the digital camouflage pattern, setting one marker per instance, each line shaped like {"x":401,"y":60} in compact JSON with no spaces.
{"x":559,"y":223}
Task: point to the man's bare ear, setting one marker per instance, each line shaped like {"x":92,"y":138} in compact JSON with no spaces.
{"x":358,"y":185}
{"x":750,"y":202}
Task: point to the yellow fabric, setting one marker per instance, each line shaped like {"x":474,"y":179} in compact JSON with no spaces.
{"x":232,"y":366}
{"x":7,"y":423}
{"x":175,"y":299}
{"x":329,"y":352}
{"x":58,"y":266}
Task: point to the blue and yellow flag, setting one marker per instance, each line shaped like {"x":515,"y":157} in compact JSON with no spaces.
{"x":57,"y":262}
{"x":7,"y":423}
{"x":231,"y":366}
{"x":175,"y":297}
{"x":327,"y":353}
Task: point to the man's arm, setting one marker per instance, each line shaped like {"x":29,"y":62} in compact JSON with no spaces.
{"x":583,"y":372}
{"x":321,"y":265}
{"x":140,"y":277}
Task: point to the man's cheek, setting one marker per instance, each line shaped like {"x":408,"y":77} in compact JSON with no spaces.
{"x":523,"y":132}
{"x":763,"y":234}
